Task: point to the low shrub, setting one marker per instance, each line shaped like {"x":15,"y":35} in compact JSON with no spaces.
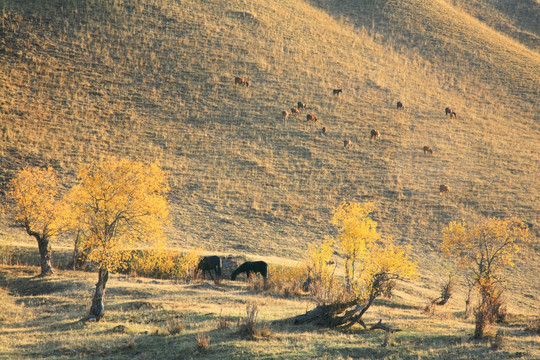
{"x":164,"y":264}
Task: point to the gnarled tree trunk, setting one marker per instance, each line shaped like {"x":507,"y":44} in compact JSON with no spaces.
{"x":98,"y":308}
{"x":344,"y":314}
{"x":45,"y":254}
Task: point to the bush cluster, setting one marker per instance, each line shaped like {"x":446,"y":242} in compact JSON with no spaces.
{"x":163,"y":264}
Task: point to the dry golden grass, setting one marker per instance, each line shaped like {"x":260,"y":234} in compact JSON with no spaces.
{"x":154,"y":80}
{"x":41,"y":319}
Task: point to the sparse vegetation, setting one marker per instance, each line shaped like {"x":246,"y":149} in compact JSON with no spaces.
{"x":155,"y":81}
{"x":484,"y":249}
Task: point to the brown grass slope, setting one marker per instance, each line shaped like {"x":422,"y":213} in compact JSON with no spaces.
{"x":518,"y":19}
{"x":154,"y":80}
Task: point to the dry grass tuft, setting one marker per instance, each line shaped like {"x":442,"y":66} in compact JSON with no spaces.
{"x":203,"y":341}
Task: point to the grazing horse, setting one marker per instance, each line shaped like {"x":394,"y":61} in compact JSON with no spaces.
{"x":324,"y":130}
{"x":209,"y":263}
{"x":241,"y":81}
{"x":428,"y":149}
{"x":399,"y":105}
{"x":448,"y":111}
{"x":285,"y":115}
{"x":444,"y":189}
{"x":301,"y":105}
{"x":250,"y":267}
{"x":375,"y":134}
{"x":338,"y":91}
{"x":294,"y":110}
{"x":311,"y":117}
{"x":347,"y":143}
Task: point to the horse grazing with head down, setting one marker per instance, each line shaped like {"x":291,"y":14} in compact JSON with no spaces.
{"x":209,"y":263}
{"x":250,"y":267}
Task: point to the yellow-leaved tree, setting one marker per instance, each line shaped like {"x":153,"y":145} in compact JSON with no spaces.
{"x":370,"y":262}
{"x":119,"y":205}
{"x":484,"y":249}
{"x":35,"y":203}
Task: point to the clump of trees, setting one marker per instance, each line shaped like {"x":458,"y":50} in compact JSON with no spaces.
{"x":484,"y":249}
{"x":117,"y":205}
{"x":371,"y":262}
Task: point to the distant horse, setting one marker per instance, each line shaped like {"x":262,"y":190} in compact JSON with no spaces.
{"x":250,"y":267}
{"x":209,"y":263}
{"x":337,"y":91}
{"x":399,"y":105}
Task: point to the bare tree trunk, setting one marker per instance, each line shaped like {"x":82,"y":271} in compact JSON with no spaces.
{"x":98,"y":308}
{"x":45,"y":254}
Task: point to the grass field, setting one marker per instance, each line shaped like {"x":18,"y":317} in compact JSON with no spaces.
{"x":41,"y":318}
{"x":154,"y":79}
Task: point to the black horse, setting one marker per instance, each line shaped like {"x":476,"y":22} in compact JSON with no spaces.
{"x":209,"y":263}
{"x":250,"y":267}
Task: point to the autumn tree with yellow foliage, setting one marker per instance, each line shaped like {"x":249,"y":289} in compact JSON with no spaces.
{"x":370,"y":261}
{"x":119,"y":204}
{"x":35,"y":203}
{"x":484,"y":249}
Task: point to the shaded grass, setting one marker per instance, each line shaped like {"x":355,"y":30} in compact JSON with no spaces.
{"x":137,"y":328}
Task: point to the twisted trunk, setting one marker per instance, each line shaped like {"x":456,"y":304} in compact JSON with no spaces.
{"x":98,"y":308}
{"x":45,"y":255}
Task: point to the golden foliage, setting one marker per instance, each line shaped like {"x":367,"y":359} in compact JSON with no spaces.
{"x":485,"y":247}
{"x":367,"y":255}
{"x":369,"y":259}
{"x":35,"y":202}
{"x":287,"y":279}
{"x":165,"y":264}
{"x":119,"y":204}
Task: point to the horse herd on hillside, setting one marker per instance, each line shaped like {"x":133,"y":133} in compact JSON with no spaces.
{"x":347,"y":143}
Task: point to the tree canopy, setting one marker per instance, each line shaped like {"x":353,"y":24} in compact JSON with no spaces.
{"x":119,"y":204}
{"x":36,"y":205}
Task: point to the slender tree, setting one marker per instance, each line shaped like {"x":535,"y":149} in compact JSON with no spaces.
{"x":33,"y":199}
{"x":484,"y":249}
{"x":119,"y":205}
{"x":370,"y":260}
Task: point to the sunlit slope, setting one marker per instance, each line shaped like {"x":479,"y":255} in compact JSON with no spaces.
{"x":518,"y":19}
{"x":155,"y":80}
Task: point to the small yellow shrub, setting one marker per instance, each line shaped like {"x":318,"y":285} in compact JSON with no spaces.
{"x":164,"y":264}
{"x":287,"y":279}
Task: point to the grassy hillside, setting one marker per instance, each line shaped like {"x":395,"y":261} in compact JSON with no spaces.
{"x":154,"y":80}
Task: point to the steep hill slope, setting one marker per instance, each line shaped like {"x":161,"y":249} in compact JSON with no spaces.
{"x":155,"y":80}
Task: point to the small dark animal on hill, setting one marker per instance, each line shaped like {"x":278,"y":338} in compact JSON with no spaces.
{"x":347,"y":143}
{"x":444,"y":189}
{"x":448,"y":111}
{"x":301,"y":105}
{"x":428,"y":149}
{"x":209,"y":263}
{"x":338,"y":91}
{"x":241,"y":81}
{"x":324,"y":130}
{"x":285,"y":114}
{"x":375,"y":134}
{"x":295,"y":110}
{"x":311,"y":117}
{"x":250,"y":267}
{"x":399,"y":105}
